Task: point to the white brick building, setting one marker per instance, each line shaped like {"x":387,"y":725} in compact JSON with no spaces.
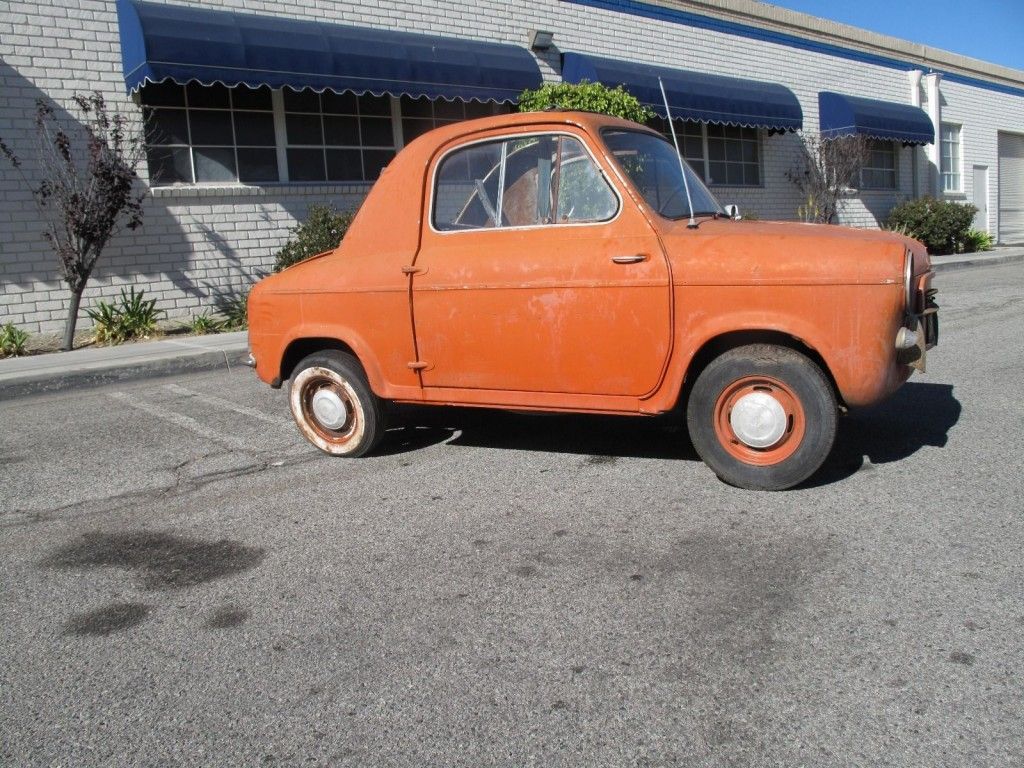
{"x":219,"y":206}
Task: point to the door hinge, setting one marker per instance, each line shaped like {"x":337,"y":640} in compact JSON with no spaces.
{"x":419,"y":365}
{"x":413,"y":270}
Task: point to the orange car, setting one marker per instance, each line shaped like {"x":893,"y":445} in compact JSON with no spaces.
{"x":556,"y":261}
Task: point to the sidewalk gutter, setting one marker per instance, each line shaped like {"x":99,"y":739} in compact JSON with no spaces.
{"x":95,"y":366}
{"x":1002,"y":255}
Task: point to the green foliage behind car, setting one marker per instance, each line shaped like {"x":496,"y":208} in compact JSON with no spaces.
{"x":322,"y":230}
{"x":588,"y":97}
{"x":942,"y":225}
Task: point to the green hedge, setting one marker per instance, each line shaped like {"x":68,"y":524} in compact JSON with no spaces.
{"x":322,"y":230}
{"x":589,"y":97}
{"x":943,"y":226}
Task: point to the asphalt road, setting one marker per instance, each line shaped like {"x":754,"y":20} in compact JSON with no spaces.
{"x":185,"y":582}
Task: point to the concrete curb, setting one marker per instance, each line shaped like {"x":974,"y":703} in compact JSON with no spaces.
{"x":987,"y":260}
{"x":100,"y":372}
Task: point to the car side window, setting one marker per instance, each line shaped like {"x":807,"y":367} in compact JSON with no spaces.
{"x":583,"y":194}
{"x":520,"y":182}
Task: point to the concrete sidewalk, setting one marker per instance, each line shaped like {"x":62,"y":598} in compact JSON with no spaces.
{"x":101,"y":365}
{"x":1008,"y":254}
{"x":93,"y":366}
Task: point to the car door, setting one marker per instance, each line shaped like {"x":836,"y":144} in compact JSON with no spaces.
{"x":535,"y":275}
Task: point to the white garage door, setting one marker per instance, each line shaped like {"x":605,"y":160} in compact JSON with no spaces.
{"x":1011,"y":188}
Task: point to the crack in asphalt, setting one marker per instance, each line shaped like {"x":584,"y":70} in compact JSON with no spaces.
{"x":181,"y":487}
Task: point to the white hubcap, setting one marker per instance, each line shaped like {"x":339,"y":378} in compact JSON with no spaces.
{"x":758,"y":420}
{"x":329,"y":409}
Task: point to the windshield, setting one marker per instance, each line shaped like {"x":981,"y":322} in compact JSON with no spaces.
{"x":652,"y":165}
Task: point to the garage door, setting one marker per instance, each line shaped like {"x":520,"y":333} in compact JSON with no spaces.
{"x":1011,"y":188}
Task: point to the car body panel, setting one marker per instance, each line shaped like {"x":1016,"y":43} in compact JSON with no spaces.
{"x":541,"y":318}
{"x":543,"y":308}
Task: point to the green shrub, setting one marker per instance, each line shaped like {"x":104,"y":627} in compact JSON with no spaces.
{"x":941,"y":225}
{"x":589,"y":97}
{"x":131,"y":317}
{"x":207,"y":323}
{"x":12,"y":340}
{"x":234,"y":308}
{"x":322,"y":230}
{"x":976,"y":241}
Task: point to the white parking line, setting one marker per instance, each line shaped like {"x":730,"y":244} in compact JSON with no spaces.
{"x":180,"y":420}
{"x":220,"y":402}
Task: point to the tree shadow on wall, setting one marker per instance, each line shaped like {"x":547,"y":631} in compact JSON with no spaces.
{"x":271,"y":231}
{"x":177,"y":249}
{"x":154,"y":251}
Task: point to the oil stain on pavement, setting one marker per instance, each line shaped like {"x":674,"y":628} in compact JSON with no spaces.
{"x":158,"y":560}
{"x":227,"y":617}
{"x":107,"y":620}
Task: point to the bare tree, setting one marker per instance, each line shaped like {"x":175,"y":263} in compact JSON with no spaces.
{"x":86,"y":193}
{"x":826,"y":170}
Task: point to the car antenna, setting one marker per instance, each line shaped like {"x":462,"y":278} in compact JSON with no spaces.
{"x":692,"y":224}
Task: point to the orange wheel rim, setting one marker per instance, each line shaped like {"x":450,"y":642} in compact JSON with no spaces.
{"x":778,"y":418}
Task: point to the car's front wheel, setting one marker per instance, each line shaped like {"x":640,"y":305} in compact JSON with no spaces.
{"x":333,"y":405}
{"x":763,"y":417}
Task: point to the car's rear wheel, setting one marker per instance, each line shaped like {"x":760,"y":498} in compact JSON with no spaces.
{"x":333,"y":405}
{"x":763,"y":417}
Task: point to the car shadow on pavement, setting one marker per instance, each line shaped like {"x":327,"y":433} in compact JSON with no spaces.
{"x":594,"y":436}
{"x":918,"y":415}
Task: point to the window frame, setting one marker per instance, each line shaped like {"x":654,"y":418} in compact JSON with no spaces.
{"x":436,"y":122}
{"x":704,"y":169}
{"x":895,"y":170}
{"x":505,"y":137}
{"x":958,"y":172}
{"x":326,"y":147}
{"x":281,"y":145}
{"x":191,"y":146}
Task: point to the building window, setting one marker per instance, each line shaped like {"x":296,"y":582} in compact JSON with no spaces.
{"x":952,"y":179}
{"x":733,"y":156}
{"x":722,"y":155}
{"x":337,"y":137}
{"x":200,"y":134}
{"x":423,"y":114}
{"x":209,"y":134}
{"x":879,"y":172}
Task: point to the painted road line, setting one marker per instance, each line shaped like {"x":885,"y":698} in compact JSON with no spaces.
{"x":220,"y":402}
{"x":180,"y":420}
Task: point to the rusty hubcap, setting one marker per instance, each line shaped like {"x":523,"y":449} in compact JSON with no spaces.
{"x":327,"y":410}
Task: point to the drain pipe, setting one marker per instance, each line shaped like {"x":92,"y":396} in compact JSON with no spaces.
{"x":931,"y":82}
{"x":915,"y":99}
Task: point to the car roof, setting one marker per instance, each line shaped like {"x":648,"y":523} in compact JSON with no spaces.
{"x":590,"y":121}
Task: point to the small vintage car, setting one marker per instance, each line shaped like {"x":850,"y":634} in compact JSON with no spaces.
{"x":556,"y":261}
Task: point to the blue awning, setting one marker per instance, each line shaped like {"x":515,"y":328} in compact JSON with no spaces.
{"x":693,"y":95}
{"x":186,"y":43}
{"x":840,"y":115}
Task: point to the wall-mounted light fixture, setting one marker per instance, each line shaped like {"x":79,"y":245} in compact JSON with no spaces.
{"x":541,"y":40}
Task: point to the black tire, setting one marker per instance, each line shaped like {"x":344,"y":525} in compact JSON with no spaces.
{"x":359,"y":426}
{"x":798,"y":386}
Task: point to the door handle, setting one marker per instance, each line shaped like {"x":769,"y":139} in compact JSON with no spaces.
{"x":634,"y":259}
